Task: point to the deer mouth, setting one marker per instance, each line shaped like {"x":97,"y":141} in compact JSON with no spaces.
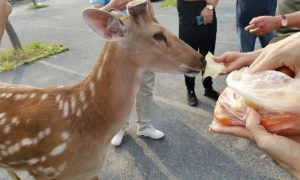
{"x":190,"y":71}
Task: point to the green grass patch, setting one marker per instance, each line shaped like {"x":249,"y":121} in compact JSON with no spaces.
{"x":39,"y":6}
{"x":10,"y":59}
{"x":167,"y":3}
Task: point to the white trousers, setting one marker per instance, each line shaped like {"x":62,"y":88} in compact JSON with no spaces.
{"x":144,"y":102}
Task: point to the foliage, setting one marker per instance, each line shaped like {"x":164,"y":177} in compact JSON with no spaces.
{"x":167,"y":3}
{"x":10,"y":59}
{"x":39,"y":6}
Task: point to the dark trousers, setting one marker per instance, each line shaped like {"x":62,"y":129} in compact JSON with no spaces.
{"x":201,"y":38}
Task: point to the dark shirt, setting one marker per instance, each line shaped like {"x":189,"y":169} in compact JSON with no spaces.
{"x":248,"y":9}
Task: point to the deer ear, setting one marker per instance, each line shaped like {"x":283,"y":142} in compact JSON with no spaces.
{"x":104,"y":24}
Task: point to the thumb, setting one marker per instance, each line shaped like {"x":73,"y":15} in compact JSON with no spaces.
{"x":219,"y":59}
{"x":253,"y":124}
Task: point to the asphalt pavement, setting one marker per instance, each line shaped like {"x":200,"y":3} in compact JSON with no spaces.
{"x":188,"y":151}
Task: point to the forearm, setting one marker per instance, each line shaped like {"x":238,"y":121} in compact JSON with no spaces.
{"x":288,"y":157}
{"x":251,"y":56}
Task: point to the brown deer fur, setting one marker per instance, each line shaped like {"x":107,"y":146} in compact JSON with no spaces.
{"x":63,"y":133}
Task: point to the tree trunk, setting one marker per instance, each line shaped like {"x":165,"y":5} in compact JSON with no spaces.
{"x":13,"y":37}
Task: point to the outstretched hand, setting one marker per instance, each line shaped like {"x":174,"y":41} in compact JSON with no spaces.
{"x":263,"y":24}
{"x":236,"y":60}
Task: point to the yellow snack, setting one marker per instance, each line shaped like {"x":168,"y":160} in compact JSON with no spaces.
{"x":213,"y":69}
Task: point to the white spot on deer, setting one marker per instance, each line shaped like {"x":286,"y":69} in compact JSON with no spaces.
{"x":8,"y":95}
{"x":35,"y":141}
{"x":4,"y":153}
{"x":33,"y":161}
{"x":49,"y":170}
{"x":57,"y":98}
{"x":65,"y":135}
{"x":58,"y":149}
{"x":47,"y":131}
{"x":44,"y":96}
{"x":2,"y":115}
{"x":78,"y":113}
{"x":85,"y":106}
{"x":32,"y":95}
{"x":18,"y":96}
{"x":17,"y":147}
{"x":41,"y":135}
{"x":11,"y":150}
{"x":26,"y":142}
{"x":43,"y":159}
{"x":2,"y":121}
{"x":61,"y":104}
{"x":61,"y":167}
{"x":2,"y":147}
{"x":92,"y":89}
{"x":28,"y":121}
{"x":82,"y":96}
{"x":15,"y":121}
{"x":60,"y":86}
{"x":24,"y":96}
{"x":73,"y":104}
{"x":99,"y":73}
{"x":66,"y":109}
{"x":6,"y":129}
{"x":40,"y":168}
{"x":3,"y":94}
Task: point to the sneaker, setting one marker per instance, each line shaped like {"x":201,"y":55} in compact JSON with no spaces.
{"x":151,"y":132}
{"x":192,"y":98}
{"x":212,"y":94}
{"x":117,"y":139}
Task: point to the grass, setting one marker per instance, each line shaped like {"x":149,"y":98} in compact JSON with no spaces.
{"x":167,"y":3}
{"x":11,"y":59}
{"x":39,"y":6}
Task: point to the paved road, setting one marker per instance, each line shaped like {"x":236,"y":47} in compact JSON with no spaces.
{"x":188,"y":151}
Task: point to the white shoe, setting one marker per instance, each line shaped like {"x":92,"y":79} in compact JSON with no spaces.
{"x":151,"y":132}
{"x":117,"y":139}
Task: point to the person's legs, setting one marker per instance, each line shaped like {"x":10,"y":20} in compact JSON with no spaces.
{"x":5,"y":10}
{"x":265,"y":39}
{"x":187,"y":34}
{"x":207,"y":42}
{"x":144,"y":108}
{"x":118,"y":137}
{"x":247,"y":40}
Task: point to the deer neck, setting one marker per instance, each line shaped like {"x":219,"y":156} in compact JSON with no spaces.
{"x":112,"y":87}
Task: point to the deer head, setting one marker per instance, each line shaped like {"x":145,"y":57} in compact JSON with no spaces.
{"x":140,"y":36}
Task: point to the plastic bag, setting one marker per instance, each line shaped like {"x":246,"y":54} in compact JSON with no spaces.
{"x":274,"y":95}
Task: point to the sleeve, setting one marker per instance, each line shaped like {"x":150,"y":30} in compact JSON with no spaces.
{"x":102,"y":2}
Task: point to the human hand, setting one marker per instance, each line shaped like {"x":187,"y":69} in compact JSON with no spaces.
{"x":284,"y":53}
{"x":236,"y":60}
{"x":117,"y":4}
{"x":208,"y":15}
{"x":285,"y":150}
{"x":263,"y":24}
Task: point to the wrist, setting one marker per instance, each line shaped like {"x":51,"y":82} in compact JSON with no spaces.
{"x":278,"y":22}
{"x":210,"y":7}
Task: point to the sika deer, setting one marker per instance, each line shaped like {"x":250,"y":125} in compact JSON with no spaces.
{"x":63,"y":133}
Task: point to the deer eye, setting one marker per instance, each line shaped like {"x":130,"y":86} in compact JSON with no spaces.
{"x":159,"y":36}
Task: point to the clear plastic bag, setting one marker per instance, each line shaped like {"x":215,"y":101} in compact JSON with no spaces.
{"x":274,"y":95}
